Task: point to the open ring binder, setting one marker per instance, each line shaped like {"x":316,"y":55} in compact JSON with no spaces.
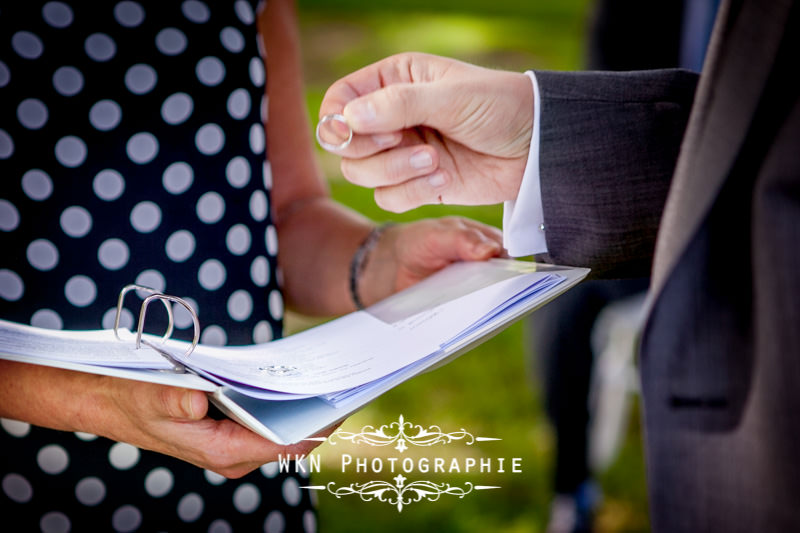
{"x":165,"y":299}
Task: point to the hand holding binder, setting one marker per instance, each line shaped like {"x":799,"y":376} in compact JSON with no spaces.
{"x":290,"y":389}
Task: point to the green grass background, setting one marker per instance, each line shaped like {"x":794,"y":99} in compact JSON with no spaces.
{"x":495,"y":389}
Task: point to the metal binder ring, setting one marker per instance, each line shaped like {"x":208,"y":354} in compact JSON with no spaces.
{"x":166,"y":298}
{"x":327,"y":134}
{"x":150,"y":290}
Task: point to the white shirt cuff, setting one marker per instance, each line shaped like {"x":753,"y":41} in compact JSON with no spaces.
{"x":523,"y":218}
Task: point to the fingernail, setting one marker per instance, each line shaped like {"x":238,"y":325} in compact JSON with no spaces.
{"x":485,"y":248}
{"x":384,"y":139}
{"x":186,"y":402}
{"x":437,"y":180}
{"x":362,"y":112}
{"x":421,"y":159}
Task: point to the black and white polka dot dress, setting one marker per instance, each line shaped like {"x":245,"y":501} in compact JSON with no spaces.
{"x":132,"y":149}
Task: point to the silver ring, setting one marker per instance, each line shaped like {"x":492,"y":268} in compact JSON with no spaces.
{"x":330,"y":146}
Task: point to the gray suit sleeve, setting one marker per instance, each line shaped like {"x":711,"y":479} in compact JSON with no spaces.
{"x":609,"y":143}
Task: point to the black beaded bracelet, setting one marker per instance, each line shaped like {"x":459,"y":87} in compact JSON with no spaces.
{"x":360,"y":259}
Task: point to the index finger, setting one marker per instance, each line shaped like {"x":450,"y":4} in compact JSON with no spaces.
{"x":361,"y":82}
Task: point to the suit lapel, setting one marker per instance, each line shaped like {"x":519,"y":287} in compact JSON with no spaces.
{"x":741,"y":54}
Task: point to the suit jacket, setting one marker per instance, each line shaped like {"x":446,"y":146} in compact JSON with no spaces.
{"x":697,"y":180}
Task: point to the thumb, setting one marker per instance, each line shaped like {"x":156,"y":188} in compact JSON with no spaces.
{"x":399,"y":106}
{"x":185,"y":404}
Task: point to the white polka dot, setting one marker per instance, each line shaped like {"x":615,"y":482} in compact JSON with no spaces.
{"x":15,"y":428}
{"x":214,"y":336}
{"x":257,"y":74}
{"x":68,"y":81}
{"x":55,"y":522}
{"x":90,"y":491}
{"x":177,"y":178}
{"x":240,"y":305}
{"x":76,"y":221}
{"x":17,"y":488}
{"x":153,"y":279}
{"x":274,"y":523}
{"x":125,"y":318}
{"x":262,"y":332}
{"x":214,"y":478}
{"x":190,"y":507}
{"x":80,"y":291}
{"x":270,"y":470}
{"x":259,"y":205}
{"x":220,"y":526}
{"x":70,"y":151}
{"x":52,"y":459}
{"x":210,"y":71}
{"x":32,"y":113}
{"x":85,"y":437}
{"x":145,"y":217}
{"x":127,"y":518}
{"x":37,"y":185}
{"x":244,"y":12}
{"x":113,"y":254}
{"x":180,"y":245}
{"x":57,"y":14}
{"x":108,"y":185}
{"x":9,"y":216}
{"x":310,"y":521}
{"x":238,"y":239}
{"x":259,"y":271}
{"x":159,"y":482}
{"x":142,"y":148}
{"x":211,"y":274}
{"x":264,"y":108}
{"x":5,"y":74}
{"x":272,"y":240}
{"x":42,"y":254}
{"x":6,"y":145}
{"x":123,"y":456}
{"x":238,"y":172}
{"x":209,"y":139}
{"x":171,"y":41}
{"x":210,"y":207}
{"x":195,"y":11}
{"x":11,"y":286}
{"x":239,"y":104}
{"x":275,"y":305}
{"x":257,"y":140}
{"x":291,"y":491}
{"x":105,"y":115}
{"x":27,"y":45}
{"x":129,"y":14}
{"x":100,"y":47}
{"x":47,"y":318}
{"x":183,"y":319}
{"x":177,"y":108}
{"x":140,"y":79}
{"x":246,"y":498}
{"x":232,"y":39}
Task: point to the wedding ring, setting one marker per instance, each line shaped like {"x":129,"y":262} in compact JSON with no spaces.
{"x":334,"y":133}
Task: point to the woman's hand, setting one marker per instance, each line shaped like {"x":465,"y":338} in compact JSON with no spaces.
{"x":408,"y":253}
{"x":431,"y":130}
{"x":168,"y":420}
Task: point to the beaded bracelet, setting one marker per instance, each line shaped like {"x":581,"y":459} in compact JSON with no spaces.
{"x":360,"y":259}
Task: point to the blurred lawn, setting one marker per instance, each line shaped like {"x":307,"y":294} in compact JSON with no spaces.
{"x":493,"y":390}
